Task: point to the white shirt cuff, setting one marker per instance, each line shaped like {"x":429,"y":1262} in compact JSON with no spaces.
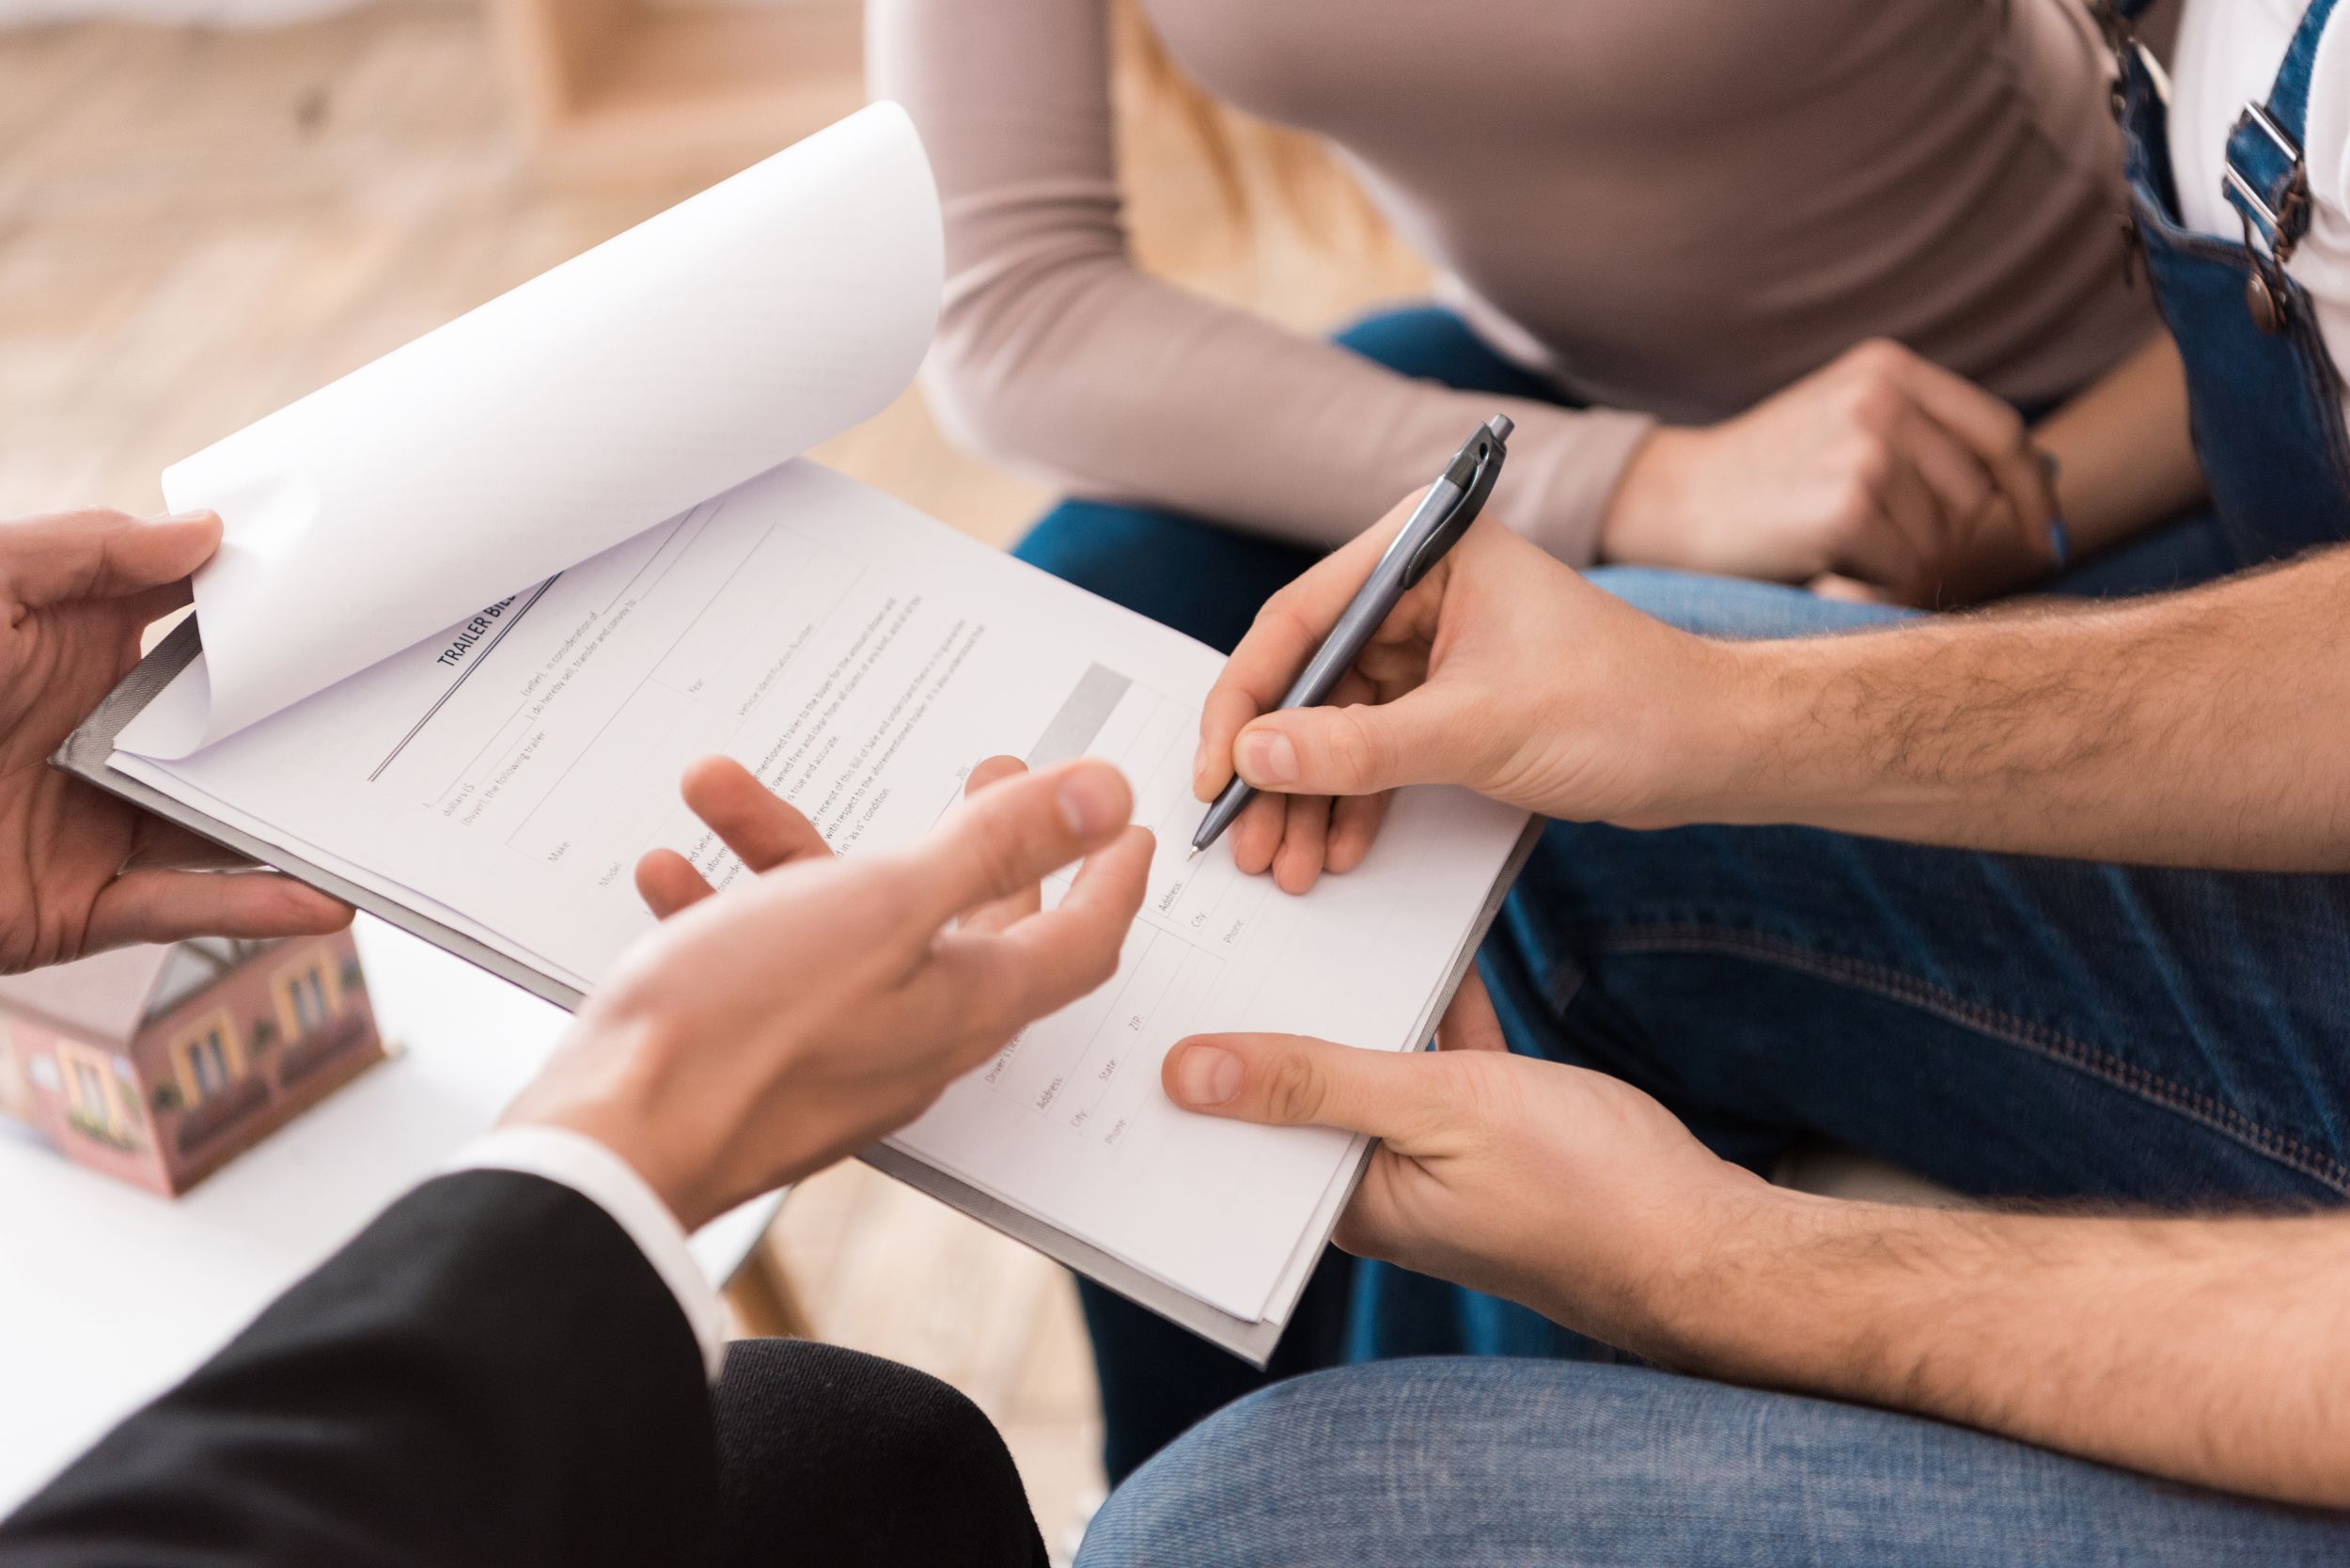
{"x":596,"y":1173}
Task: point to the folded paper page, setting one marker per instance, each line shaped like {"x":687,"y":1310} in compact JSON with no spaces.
{"x":659,"y":368}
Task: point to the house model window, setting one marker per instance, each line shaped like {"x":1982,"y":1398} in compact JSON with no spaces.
{"x":95,"y":1093}
{"x":308,"y":995}
{"x":16,"y":1094}
{"x":209,"y":1060}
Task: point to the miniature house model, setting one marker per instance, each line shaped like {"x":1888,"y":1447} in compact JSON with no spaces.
{"x":160,"y":1064}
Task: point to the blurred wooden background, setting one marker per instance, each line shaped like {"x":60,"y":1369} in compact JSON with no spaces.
{"x":197,"y":226}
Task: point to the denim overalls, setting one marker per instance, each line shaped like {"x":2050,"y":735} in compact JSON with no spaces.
{"x":2265,"y":395}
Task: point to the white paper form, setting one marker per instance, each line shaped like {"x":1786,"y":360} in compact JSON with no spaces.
{"x":1069,"y":1121}
{"x":666,"y":365}
{"x":481,"y":601}
{"x":507,"y":773}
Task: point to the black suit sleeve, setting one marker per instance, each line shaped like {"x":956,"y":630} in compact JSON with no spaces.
{"x":490,"y":1375}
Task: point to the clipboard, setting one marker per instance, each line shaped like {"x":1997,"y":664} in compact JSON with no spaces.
{"x":88,"y":754}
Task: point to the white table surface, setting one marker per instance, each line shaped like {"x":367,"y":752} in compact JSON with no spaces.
{"x":109,"y":1295}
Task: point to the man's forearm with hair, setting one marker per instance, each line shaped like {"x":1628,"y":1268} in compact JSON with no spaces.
{"x":2210,"y":1351}
{"x":2210,"y":727}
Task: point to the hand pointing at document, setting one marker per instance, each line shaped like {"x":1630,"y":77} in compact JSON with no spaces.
{"x":785,"y":1023}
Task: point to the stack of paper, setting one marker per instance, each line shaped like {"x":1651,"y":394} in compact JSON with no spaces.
{"x":481,"y":601}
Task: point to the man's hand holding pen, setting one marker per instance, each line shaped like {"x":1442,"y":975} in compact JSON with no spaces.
{"x":1501,"y":670}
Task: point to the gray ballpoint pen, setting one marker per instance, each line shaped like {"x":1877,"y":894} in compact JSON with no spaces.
{"x":1436,"y":525}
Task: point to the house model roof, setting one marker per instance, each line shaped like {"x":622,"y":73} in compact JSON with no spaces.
{"x":109,"y":995}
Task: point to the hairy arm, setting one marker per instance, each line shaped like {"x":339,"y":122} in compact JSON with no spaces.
{"x":2202,"y":729}
{"x":2211,"y":1351}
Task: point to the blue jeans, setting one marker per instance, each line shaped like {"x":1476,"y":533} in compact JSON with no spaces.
{"x":1495,"y":1464}
{"x":2007,"y":1025}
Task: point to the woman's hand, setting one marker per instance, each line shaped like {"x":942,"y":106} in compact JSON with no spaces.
{"x":80,"y":870}
{"x":768,"y":1031}
{"x":1502,"y":669}
{"x":1881,"y":476}
{"x":1566,"y":1190}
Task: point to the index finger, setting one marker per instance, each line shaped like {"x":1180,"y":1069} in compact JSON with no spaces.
{"x":99,"y":553}
{"x":1006,"y":838}
{"x":1288,"y":628}
{"x":995,"y":917}
{"x":762,"y":828}
{"x":996,"y":982}
{"x":1469,"y":1021}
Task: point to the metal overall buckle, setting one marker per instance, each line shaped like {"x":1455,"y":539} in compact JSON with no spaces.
{"x":2117,"y":29}
{"x":2264,"y":292}
{"x":2120,"y":32}
{"x":2121,"y":36}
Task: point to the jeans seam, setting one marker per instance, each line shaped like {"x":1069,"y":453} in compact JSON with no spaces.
{"x":2022,"y":1033}
{"x":2321,"y":381}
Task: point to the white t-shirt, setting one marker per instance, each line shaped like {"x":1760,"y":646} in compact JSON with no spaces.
{"x":2227,"y":56}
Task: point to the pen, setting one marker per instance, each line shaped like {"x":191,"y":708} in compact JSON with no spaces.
{"x":2059,"y":537}
{"x":1436,"y":525}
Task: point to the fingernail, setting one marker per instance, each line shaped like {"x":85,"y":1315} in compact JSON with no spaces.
{"x":1089,"y":803}
{"x":1268,"y":757}
{"x":1199,"y":761}
{"x":1206,"y":1077}
{"x":195,"y":516}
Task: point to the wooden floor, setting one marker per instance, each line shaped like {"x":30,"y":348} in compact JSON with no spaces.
{"x":196,"y":227}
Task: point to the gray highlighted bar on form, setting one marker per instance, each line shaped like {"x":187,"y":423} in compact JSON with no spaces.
{"x":1080,"y":719}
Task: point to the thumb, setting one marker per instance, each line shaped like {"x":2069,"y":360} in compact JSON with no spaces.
{"x":98,"y":554}
{"x":1292,"y":1080}
{"x":1357,"y":751}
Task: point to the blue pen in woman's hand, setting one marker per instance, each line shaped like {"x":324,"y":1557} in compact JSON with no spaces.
{"x":2059,"y":537}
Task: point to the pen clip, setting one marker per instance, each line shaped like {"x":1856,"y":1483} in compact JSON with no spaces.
{"x":1484,"y":453}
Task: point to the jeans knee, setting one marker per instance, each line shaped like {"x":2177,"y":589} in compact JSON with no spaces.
{"x":1736,"y":607}
{"x":1430,"y":342}
{"x":1200,"y":578}
{"x":1211,"y":1500}
{"x":1093,"y":544}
